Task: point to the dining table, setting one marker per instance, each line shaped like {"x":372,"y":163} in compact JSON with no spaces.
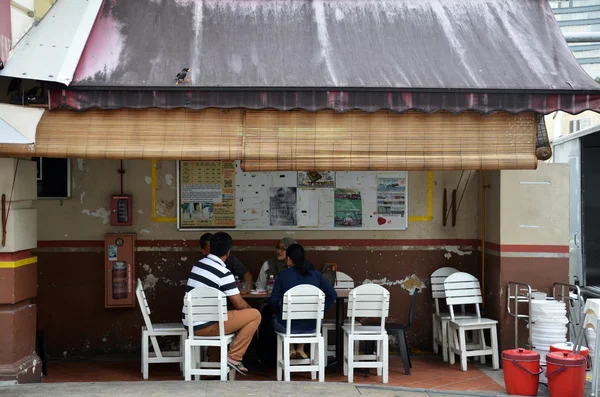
{"x":340,"y":315}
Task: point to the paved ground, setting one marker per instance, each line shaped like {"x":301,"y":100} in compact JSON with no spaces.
{"x":221,"y":389}
{"x":237,"y":389}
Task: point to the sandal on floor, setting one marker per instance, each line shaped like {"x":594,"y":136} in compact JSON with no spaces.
{"x":239,"y":367}
{"x":301,"y":355}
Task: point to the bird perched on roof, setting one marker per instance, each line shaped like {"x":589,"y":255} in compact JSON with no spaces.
{"x":182,"y":75}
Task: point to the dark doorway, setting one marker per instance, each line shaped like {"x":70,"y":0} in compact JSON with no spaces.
{"x":590,"y":207}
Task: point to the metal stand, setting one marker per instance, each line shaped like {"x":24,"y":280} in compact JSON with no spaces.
{"x":519,"y":293}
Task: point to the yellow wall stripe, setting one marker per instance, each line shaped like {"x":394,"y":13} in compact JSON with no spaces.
{"x":19,"y":263}
{"x":429,"y":216}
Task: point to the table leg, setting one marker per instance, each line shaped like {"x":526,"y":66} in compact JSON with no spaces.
{"x":339,"y":333}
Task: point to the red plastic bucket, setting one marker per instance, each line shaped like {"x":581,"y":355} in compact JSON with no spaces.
{"x":521,"y":372}
{"x":566,"y":374}
{"x":568,"y":347}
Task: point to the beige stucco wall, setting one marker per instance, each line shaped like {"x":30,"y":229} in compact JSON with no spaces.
{"x":17,"y":182}
{"x":492,"y":206}
{"x":535,"y":205}
{"x":551,"y":122}
{"x":86,"y":215}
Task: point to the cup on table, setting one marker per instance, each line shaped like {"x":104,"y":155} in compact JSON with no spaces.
{"x":245,"y":288}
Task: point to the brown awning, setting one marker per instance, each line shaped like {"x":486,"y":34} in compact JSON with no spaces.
{"x":292,"y":140}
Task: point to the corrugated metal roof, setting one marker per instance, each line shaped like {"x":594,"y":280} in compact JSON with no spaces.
{"x":51,"y":50}
{"x":473,"y":45}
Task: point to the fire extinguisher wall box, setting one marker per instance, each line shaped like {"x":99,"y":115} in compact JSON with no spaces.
{"x":121,"y":211}
{"x":119,"y":270}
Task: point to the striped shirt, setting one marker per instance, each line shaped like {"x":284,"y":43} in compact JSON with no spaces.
{"x":210,"y":271}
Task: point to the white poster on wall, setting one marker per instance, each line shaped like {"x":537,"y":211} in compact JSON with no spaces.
{"x":386,"y":201}
{"x":296,"y":200}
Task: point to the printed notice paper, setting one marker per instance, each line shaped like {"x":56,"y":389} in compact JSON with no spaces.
{"x":207,"y":190}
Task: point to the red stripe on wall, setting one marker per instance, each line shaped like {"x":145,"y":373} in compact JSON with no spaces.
{"x":555,"y":249}
{"x":269,"y":243}
{"x":70,"y":244}
{"x":15,"y":256}
{"x":324,"y":243}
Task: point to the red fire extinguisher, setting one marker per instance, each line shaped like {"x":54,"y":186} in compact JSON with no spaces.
{"x":119,"y":280}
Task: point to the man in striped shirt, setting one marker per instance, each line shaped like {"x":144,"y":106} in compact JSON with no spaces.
{"x":211,"y":271}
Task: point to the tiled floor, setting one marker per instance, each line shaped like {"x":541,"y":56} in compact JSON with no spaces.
{"x":428,"y":372}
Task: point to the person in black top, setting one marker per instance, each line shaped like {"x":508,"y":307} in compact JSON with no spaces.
{"x":299,"y":272}
{"x":234,"y":265}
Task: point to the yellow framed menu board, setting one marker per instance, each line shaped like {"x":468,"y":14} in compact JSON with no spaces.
{"x":206,"y":194}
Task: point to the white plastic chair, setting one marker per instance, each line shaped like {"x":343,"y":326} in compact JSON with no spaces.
{"x":204,"y":304}
{"x":343,"y":282}
{"x":369,"y":301}
{"x":440,"y":320}
{"x":303,"y":302}
{"x":464,"y":289}
{"x":151,"y":331}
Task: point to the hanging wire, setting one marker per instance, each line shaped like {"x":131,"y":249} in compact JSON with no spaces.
{"x":12,"y":190}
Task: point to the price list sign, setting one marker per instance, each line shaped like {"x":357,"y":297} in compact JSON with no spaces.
{"x":206,"y":194}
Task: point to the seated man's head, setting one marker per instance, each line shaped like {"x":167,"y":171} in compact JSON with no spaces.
{"x":220,"y":245}
{"x":205,"y":243}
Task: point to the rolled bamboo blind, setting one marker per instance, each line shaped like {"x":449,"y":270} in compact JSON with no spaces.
{"x":291,"y":140}
{"x":326,"y":140}
{"x":155,"y":134}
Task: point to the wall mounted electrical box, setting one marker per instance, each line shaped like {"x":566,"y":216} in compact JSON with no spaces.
{"x":121,"y":211}
{"x":119,"y":270}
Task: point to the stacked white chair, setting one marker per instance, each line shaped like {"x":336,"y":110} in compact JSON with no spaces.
{"x":303,"y":302}
{"x":464,"y":289}
{"x":342,"y":282}
{"x":440,"y":319}
{"x":151,"y":331}
{"x":367,"y":301}
{"x":203,"y":304}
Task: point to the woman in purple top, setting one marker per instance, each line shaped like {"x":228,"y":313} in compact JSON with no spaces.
{"x":299,"y":272}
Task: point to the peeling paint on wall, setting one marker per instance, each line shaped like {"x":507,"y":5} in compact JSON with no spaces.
{"x":148,"y":180}
{"x":164,"y":208}
{"x":150,"y":281}
{"x":409,"y":283}
{"x":144,"y":231}
{"x":80,"y":164}
{"x":169,"y":179}
{"x":81,"y":196}
{"x":454,"y":249}
{"x":99,"y":213}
